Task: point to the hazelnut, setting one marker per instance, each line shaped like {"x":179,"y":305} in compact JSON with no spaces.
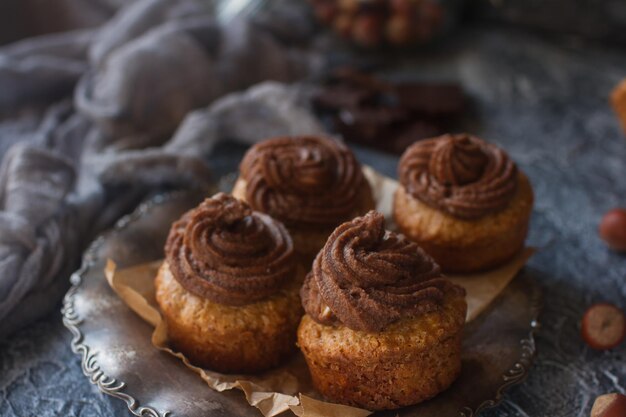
{"x":618,"y":100}
{"x":398,"y":29}
{"x":343,"y":24}
{"x":613,"y":229}
{"x":325,"y":11}
{"x":405,"y":7}
{"x":348,"y":6}
{"x":431,"y":12}
{"x":366,"y":30}
{"x":609,"y":405}
{"x":603,"y":326}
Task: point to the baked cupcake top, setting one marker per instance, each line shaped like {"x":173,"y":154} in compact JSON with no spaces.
{"x":307,"y":180}
{"x":366,"y":278}
{"x":227,"y":253}
{"x":461,"y":175}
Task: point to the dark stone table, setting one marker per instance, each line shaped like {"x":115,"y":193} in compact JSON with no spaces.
{"x":546,"y":103}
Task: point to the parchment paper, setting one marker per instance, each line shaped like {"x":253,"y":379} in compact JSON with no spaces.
{"x":289,"y":387}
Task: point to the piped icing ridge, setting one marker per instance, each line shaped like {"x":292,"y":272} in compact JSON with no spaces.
{"x":225,"y":252}
{"x":461,"y":175}
{"x":366,"y":278}
{"x":304,"y":181}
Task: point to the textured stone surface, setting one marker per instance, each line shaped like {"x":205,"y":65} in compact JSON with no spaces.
{"x":547,"y":105}
{"x":597,"y":19}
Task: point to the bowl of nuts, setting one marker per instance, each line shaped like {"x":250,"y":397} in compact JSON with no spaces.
{"x":387,"y":23}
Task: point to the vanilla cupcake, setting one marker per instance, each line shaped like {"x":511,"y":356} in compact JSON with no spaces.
{"x":228,"y":288}
{"x":310,"y":183}
{"x":383,"y":327}
{"x":463,"y":201}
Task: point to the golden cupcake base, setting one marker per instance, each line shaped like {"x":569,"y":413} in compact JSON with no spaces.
{"x":464,"y":246}
{"x":230,"y":339}
{"x":409,"y":362}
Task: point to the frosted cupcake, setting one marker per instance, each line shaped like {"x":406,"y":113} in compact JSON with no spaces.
{"x":382,"y":327}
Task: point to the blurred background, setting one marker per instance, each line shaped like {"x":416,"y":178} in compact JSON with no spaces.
{"x":104,"y":103}
{"x":603,"y":20}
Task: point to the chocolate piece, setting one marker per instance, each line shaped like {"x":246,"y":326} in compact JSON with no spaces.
{"x":373,"y":116}
{"x":383,"y":131}
{"x":365,"y":134}
{"x":301,"y":181}
{"x":342,"y":96}
{"x":226,"y":253}
{"x":367,"y":110}
{"x":417,"y":130}
{"x":459,"y":174}
{"x":372,"y":126}
{"x":432,"y":99}
{"x":350,"y":76}
{"x":366,"y":278}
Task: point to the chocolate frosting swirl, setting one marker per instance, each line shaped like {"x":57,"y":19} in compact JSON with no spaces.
{"x":302,"y":180}
{"x":366,"y":278}
{"x":459,"y":174}
{"x":227,"y":253}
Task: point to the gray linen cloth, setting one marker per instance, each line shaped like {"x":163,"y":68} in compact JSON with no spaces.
{"x":89,"y":125}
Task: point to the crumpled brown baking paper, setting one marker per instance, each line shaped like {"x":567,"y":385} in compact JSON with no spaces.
{"x":289,"y":387}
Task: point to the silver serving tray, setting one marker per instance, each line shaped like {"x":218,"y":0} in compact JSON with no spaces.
{"x":117,"y":356}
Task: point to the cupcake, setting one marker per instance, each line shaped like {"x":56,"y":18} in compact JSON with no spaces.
{"x":383,"y":327}
{"x":228,"y":288}
{"x":463,"y":201}
{"x":312,"y":184}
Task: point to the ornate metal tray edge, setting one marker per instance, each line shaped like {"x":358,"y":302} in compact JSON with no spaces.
{"x":89,"y":364}
{"x":115,"y":388}
{"x":519,"y":371}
